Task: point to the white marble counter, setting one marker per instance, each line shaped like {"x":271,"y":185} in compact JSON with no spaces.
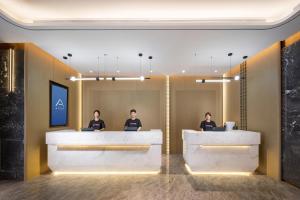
{"x":229,"y":151}
{"x":70,"y":151}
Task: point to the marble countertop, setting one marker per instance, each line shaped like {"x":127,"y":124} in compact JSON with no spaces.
{"x":235,"y":137}
{"x":72,"y":137}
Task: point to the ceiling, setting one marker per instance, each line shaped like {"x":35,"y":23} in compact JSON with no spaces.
{"x":174,"y":46}
{"x":155,"y":12}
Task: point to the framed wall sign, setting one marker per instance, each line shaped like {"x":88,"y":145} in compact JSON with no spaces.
{"x":59,"y":99}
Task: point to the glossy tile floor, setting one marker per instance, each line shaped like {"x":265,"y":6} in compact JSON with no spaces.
{"x":174,"y":183}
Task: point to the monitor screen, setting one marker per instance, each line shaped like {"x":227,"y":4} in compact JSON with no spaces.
{"x":58,"y":104}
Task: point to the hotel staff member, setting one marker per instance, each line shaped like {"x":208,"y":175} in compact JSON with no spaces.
{"x":133,"y":121}
{"x":207,"y":124}
{"x":97,"y":123}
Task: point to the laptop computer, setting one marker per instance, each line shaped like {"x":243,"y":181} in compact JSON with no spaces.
{"x":218,"y":129}
{"x":87,"y":129}
{"x":131,"y":129}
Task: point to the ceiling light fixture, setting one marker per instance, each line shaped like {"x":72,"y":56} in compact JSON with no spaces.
{"x":150,"y":64}
{"x":220,"y":79}
{"x":98,"y":78}
{"x":213,"y":81}
{"x":142,"y":78}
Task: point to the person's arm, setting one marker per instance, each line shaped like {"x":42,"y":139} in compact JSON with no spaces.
{"x":90,"y":124}
{"x":126,"y":124}
{"x":139,"y":125}
{"x":102,"y":126}
{"x":202,"y":126}
{"x":214,"y":124}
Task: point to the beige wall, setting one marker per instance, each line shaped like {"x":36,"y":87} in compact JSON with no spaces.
{"x":115,"y":98}
{"x":231,"y":98}
{"x":40,"y":67}
{"x":189,"y":102}
{"x":263,"y":106}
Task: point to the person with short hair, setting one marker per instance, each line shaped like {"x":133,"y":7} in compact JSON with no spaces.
{"x":133,"y":122}
{"x":97,"y":123}
{"x":207,"y":124}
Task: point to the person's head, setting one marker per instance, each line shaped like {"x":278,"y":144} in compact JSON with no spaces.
{"x":132,"y":113}
{"x":96,"y":114}
{"x":207,"y":116}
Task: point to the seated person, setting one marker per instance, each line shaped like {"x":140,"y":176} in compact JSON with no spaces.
{"x":97,"y":123}
{"x":133,"y":121}
{"x":207,"y":124}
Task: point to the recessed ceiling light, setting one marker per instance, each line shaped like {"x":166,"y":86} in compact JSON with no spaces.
{"x":183,"y":71}
{"x":151,"y":71}
{"x":91,"y":71}
{"x":216,"y":71}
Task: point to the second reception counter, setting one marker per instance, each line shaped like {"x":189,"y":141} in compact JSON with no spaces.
{"x":231,"y":152}
{"x":107,"y":152}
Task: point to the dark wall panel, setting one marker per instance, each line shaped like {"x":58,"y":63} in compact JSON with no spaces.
{"x":11,"y":113}
{"x":291,"y":114}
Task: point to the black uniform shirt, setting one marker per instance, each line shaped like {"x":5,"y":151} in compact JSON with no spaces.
{"x":97,"y":125}
{"x":133,"y":123}
{"x":207,"y":126}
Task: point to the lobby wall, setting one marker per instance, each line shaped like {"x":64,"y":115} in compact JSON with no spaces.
{"x":12,"y":111}
{"x":114,"y":99}
{"x":291,"y":110}
{"x":189,"y":102}
{"x":231,"y":98}
{"x":40,"y":67}
{"x":264,"y":106}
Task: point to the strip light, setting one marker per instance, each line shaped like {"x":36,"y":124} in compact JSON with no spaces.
{"x":141,"y":78}
{"x":168,"y":115}
{"x":226,"y":146}
{"x":216,"y":172}
{"x":56,"y":173}
{"x":11,"y":71}
{"x":213,"y":81}
{"x":73,"y":78}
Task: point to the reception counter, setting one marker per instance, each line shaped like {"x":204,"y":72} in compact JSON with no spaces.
{"x":221,"y":152}
{"x":107,"y":152}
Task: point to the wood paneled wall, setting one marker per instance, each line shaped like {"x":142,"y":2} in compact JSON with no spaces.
{"x":40,"y":67}
{"x":114,"y":99}
{"x":263,"y":106}
{"x":189,"y":102}
{"x":231,"y":98}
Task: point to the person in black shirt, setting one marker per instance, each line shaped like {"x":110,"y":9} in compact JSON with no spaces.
{"x":97,"y":123}
{"x":207,"y":124}
{"x":133,"y":121}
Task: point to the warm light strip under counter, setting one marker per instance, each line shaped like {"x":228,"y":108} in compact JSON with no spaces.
{"x":103,"y":147}
{"x":106,"y":173}
{"x":216,"y":172}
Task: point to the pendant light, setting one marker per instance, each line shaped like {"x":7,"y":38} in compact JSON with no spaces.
{"x":98,"y":78}
{"x":150,"y":64}
{"x":221,"y":79}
